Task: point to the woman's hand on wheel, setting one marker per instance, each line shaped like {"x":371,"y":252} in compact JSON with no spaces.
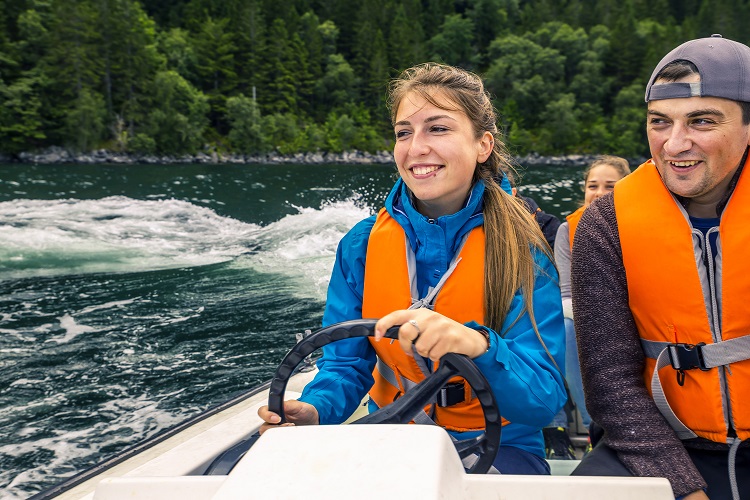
{"x":432,"y":334}
{"x":297,"y":413}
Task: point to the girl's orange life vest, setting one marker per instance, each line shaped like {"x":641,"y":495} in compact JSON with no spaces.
{"x":387,"y":289}
{"x":573,"y":220}
{"x":667,"y":301}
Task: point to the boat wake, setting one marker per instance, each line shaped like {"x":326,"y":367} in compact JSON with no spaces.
{"x":117,"y":234}
{"x":113,"y":307}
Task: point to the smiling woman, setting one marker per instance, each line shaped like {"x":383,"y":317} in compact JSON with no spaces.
{"x":455,"y":260}
{"x":436,"y":152}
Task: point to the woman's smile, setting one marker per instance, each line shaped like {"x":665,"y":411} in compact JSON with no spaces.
{"x":424,"y":171}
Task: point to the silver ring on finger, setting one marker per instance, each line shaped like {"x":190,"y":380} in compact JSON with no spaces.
{"x":413,"y":322}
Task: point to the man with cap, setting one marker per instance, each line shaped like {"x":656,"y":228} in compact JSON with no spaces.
{"x":661,"y":286}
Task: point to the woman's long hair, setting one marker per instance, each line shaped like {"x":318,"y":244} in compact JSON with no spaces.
{"x":511,"y":232}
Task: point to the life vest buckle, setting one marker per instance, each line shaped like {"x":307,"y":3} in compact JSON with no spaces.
{"x":451,"y":394}
{"x":686,"y":356}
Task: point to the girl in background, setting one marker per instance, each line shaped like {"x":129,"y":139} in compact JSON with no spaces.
{"x":599,"y":179}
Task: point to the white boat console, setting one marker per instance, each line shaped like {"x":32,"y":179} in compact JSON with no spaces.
{"x":369,"y":461}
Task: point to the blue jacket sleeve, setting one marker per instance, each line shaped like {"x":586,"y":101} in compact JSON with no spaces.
{"x":527,"y":384}
{"x":345,"y":368}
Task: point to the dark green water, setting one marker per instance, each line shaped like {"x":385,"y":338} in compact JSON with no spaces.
{"x":132,"y":297}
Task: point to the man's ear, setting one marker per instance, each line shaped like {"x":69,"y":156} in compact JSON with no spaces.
{"x":486,"y":144}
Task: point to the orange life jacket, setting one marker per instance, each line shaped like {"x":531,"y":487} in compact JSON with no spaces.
{"x":667,"y":299}
{"x":573,"y":220}
{"x":387,"y":288}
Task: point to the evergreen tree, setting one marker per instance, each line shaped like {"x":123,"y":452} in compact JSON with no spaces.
{"x":130,"y":59}
{"x":489,"y":21}
{"x":84,"y":124}
{"x":453,"y":44}
{"x":526,"y":73}
{"x":179,"y":115}
{"x":176,"y":46}
{"x":344,"y":13}
{"x":628,"y":44}
{"x":214,"y":49}
{"x":73,"y":58}
{"x":561,"y":129}
{"x":566,"y":74}
{"x":372,"y":64}
{"x":570,"y":43}
{"x":434,"y":15}
{"x":278,"y":93}
{"x":312,"y":40}
{"x":338,"y":86}
{"x":21,"y":122}
{"x":627,"y":124}
{"x":244,"y":118}
{"x":406,"y":40}
{"x":250,"y":38}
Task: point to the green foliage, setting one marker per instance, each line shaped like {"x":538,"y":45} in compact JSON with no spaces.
{"x":175,"y":44}
{"x":178,"y":118}
{"x":21,"y":123}
{"x":406,"y":40}
{"x":338,"y":85}
{"x":453,"y":43}
{"x":561,"y":127}
{"x":310,"y":75}
{"x":489,"y":20}
{"x":84,"y":123}
{"x":628,"y":122}
{"x":282,"y":132}
{"x":246,"y":133}
{"x":351,"y":130}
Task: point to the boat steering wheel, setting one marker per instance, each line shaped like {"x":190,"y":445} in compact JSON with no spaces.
{"x":404,"y":409}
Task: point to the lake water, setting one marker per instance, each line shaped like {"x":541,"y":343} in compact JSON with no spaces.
{"x":133,"y":297}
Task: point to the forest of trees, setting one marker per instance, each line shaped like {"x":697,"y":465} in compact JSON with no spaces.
{"x":255,"y":76}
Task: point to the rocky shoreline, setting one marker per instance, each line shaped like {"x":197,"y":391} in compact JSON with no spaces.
{"x":58,"y":155}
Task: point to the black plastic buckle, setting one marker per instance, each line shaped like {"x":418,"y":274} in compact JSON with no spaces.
{"x":686,"y":357}
{"x":451,"y":394}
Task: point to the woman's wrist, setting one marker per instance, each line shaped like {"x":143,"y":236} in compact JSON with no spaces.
{"x":486,"y":340}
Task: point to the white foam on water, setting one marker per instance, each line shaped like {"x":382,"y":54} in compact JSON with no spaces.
{"x":118,"y":304}
{"x":303,"y":245}
{"x":135,"y":416}
{"x":114,"y":235}
{"x":72,"y":329}
{"x":119,"y":235}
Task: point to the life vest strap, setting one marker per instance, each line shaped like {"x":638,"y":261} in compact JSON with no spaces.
{"x":703,"y":356}
{"x":734,"y":445}
{"x":687,"y":357}
{"x":449,"y":395}
{"x":411,"y":264}
{"x":422,"y":418}
{"x":657,"y":391}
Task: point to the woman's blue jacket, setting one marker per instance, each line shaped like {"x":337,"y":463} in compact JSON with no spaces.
{"x":528,"y":387}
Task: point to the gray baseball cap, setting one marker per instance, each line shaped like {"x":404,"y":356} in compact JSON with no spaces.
{"x":723,"y":64}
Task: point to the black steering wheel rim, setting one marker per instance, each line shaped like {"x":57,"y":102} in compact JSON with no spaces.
{"x":405,"y":408}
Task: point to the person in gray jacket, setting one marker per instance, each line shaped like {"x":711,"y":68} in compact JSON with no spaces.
{"x":660,"y":286}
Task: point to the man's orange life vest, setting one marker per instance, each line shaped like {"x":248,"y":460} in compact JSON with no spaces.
{"x":387,"y":288}
{"x":573,"y":220}
{"x":667,"y":298}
